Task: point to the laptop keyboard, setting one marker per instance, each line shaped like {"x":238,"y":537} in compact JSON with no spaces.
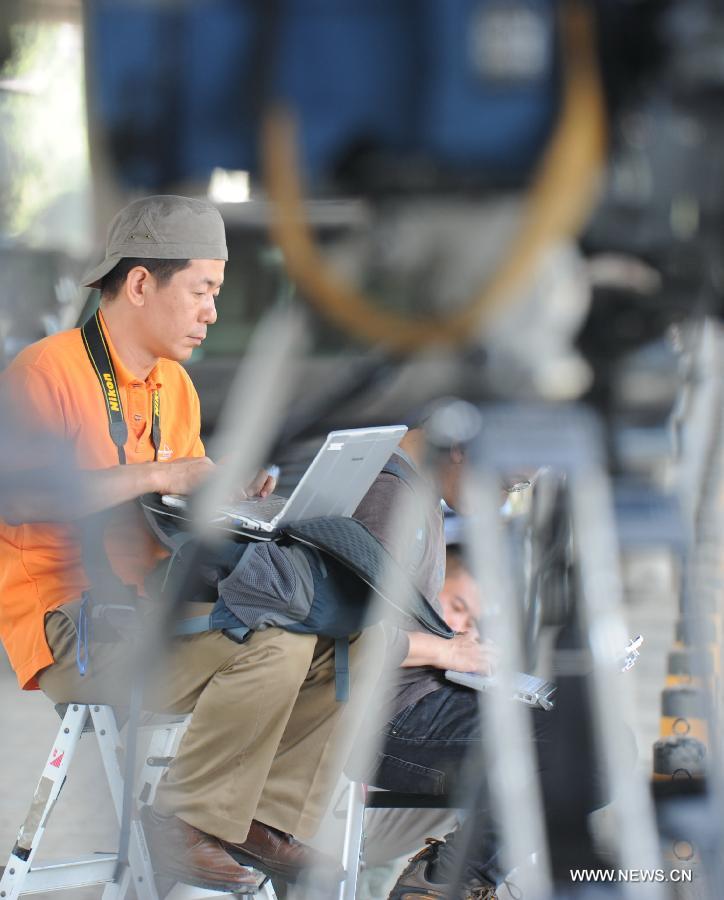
{"x":264,"y":508}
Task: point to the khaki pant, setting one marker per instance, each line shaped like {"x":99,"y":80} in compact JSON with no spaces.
{"x":267,"y":738}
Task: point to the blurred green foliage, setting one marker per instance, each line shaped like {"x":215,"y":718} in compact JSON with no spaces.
{"x":44,"y":166}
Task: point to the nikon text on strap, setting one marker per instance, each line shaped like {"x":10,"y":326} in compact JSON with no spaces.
{"x":97,"y":350}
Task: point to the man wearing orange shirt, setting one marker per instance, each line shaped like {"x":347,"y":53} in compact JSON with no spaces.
{"x":252,"y":766}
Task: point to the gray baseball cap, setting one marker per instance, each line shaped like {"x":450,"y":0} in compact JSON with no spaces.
{"x":162,"y":227}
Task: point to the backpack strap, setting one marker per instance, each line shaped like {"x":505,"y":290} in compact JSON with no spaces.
{"x":401,"y":467}
{"x":352,"y":544}
{"x":193,"y":625}
{"x":219,"y":619}
{"x":341,"y":669}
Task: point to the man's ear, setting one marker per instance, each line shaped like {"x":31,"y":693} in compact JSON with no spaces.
{"x":137,"y":282}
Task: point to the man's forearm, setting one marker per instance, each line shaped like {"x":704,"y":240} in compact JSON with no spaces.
{"x":425,"y":650}
{"x":463,"y":652}
{"x":52,"y":495}
{"x":110,"y":487}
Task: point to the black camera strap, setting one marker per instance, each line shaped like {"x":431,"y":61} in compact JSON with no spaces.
{"x":95,"y":560}
{"x":97,"y":350}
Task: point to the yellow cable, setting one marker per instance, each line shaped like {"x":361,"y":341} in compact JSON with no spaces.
{"x":559,"y":201}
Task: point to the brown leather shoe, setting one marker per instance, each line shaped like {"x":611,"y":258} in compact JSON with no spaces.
{"x":277,"y":853}
{"x":414,"y":882}
{"x":182,"y":852}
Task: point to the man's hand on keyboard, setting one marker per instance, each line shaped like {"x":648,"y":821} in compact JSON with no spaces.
{"x":182,"y":476}
{"x":261,"y":485}
{"x":467,"y":653}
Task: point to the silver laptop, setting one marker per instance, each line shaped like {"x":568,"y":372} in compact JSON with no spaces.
{"x":529,"y":689}
{"x":333,"y":485}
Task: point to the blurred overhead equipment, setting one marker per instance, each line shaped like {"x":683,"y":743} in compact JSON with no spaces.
{"x":558,"y":203}
{"x":386,"y":93}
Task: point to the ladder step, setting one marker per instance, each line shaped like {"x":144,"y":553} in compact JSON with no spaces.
{"x":64,"y":874}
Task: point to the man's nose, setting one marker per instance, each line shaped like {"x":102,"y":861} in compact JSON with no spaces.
{"x":208,"y":312}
